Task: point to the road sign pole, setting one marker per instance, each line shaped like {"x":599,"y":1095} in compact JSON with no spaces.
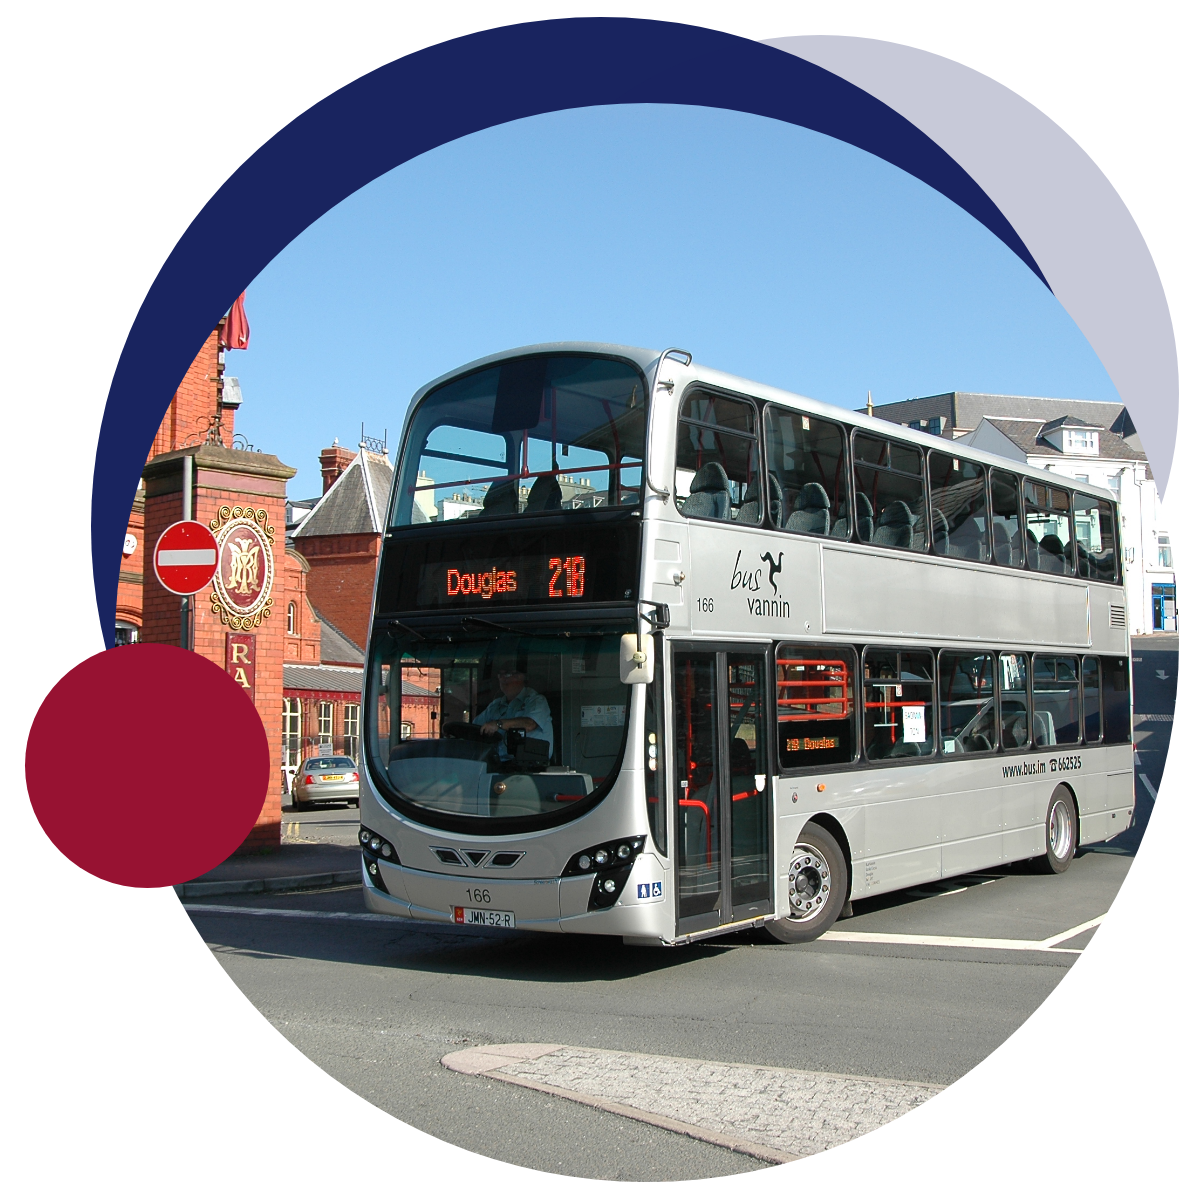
{"x":185,"y":603}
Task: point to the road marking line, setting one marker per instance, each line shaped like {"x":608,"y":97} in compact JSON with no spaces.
{"x":235,"y":910}
{"x":1048,"y":946}
{"x":968,"y":943}
{"x":1070,"y":933}
{"x":1149,"y":787}
{"x":914,"y":939}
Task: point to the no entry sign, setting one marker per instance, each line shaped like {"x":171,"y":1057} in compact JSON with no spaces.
{"x":185,"y":557}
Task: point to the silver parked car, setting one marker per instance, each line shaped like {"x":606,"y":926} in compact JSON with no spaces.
{"x":331,"y":779}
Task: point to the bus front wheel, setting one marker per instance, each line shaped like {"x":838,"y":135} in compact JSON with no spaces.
{"x":818,"y":882}
{"x":1062,"y":833}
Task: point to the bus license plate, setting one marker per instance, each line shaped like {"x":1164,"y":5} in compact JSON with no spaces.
{"x":485,"y":916}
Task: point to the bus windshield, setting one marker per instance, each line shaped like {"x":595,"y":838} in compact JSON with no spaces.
{"x":541,"y":434}
{"x":477,"y":727}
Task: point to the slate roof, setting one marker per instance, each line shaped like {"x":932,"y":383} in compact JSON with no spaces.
{"x":336,"y":647}
{"x":320,"y":678}
{"x":964,"y":410}
{"x":356,"y":503}
{"x":1068,"y":422}
{"x":1027,"y":436}
{"x":313,"y":678}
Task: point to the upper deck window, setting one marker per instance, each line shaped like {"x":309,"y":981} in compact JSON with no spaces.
{"x":1048,"y":542}
{"x":716,"y":459}
{"x":1095,"y":538}
{"x":1007,"y":539}
{"x":889,"y":499}
{"x":806,"y":465}
{"x":958,"y":497}
{"x":547,"y":433}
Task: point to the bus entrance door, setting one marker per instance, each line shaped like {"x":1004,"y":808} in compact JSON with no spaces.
{"x":723,"y":810}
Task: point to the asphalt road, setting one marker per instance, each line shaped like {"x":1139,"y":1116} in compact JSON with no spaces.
{"x":377,"y":1004}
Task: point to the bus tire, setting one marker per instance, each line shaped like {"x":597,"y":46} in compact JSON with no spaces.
{"x":818,"y":883}
{"x":1062,"y":833}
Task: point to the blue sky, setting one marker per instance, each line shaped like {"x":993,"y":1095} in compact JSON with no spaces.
{"x":766,"y":250}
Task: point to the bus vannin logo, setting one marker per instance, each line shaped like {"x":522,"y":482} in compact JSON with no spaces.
{"x":750,"y":580}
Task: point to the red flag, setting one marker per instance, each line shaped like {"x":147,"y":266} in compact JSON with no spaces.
{"x":237,"y":328}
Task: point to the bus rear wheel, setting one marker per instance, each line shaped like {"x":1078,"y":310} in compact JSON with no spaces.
{"x":1062,"y":834}
{"x":818,"y":882}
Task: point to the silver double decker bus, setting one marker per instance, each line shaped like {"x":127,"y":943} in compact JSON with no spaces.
{"x":659,"y":652}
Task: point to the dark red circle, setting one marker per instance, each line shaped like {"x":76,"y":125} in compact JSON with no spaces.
{"x":147,"y":765}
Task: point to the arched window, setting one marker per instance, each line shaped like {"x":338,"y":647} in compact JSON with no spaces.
{"x":291,"y":617}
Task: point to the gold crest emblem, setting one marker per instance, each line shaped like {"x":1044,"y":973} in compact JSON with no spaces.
{"x":241,"y":594}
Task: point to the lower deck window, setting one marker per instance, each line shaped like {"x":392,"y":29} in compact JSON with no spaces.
{"x":1055,"y":700}
{"x":897,"y":703}
{"x":1091,"y":699}
{"x":1014,"y":701}
{"x":966,"y":686}
{"x":814,"y":705}
{"x":1117,"y":717}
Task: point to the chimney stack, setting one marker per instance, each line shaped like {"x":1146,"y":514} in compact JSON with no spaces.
{"x":334,"y":460}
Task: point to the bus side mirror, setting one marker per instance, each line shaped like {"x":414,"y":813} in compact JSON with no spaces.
{"x":637,"y":658}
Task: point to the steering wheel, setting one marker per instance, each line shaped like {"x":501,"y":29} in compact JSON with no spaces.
{"x":468,"y":732}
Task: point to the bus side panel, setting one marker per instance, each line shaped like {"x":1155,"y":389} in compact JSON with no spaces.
{"x":871,"y":594}
{"x":972,"y":815}
{"x":902,"y":826}
{"x":1026,"y":804}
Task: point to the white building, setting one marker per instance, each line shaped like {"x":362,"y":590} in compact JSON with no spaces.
{"x":424,"y":496}
{"x":1088,"y":440}
{"x":458,"y":505}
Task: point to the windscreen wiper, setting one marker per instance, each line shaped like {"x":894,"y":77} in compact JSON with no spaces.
{"x":486,"y":624}
{"x":394,"y":625}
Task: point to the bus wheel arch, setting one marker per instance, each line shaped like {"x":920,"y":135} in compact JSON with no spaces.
{"x":833,"y":827}
{"x":1062,"y":831}
{"x":818,"y":883}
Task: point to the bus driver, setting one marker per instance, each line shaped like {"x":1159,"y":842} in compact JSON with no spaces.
{"x":517,"y":707}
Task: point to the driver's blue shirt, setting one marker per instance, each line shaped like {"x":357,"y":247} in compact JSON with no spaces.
{"x":526,"y":703}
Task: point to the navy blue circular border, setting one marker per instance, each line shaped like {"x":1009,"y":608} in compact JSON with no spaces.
{"x":425,"y":100}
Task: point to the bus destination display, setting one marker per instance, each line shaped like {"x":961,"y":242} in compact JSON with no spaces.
{"x":564,"y":576}
{"x":549,"y":568}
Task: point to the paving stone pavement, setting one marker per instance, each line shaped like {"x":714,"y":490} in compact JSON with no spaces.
{"x":795,"y":1113}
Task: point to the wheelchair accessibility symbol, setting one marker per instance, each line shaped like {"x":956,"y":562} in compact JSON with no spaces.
{"x":649,"y":891}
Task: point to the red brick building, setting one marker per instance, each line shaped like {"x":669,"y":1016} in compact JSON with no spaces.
{"x":307,"y":645}
{"x":341,"y":535}
{"x":204,"y":404}
{"x":228,"y":486}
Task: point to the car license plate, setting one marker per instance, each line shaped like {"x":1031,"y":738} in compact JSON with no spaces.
{"x":485,"y":916}
{"x":332,"y":778}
